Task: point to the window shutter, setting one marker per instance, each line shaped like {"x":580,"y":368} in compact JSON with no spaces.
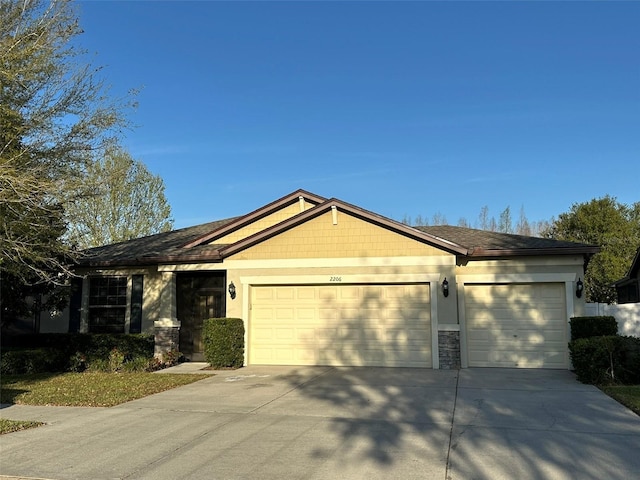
{"x":75,"y":304}
{"x":135,"y":325}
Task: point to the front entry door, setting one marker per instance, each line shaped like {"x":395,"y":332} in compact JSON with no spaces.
{"x":199,"y":296}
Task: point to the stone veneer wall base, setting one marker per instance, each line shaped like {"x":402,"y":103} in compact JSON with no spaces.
{"x":449,"y":350}
{"x":166,"y":339}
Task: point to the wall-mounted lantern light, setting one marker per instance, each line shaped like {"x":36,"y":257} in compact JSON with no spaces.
{"x":579,"y":288}
{"x":445,"y":287}
{"x":232,"y":290}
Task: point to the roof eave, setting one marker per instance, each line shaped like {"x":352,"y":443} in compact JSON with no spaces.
{"x":156,"y":260}
{"x":479,"y":252}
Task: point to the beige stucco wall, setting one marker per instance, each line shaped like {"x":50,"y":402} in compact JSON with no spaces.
{"x":281,"y":215}
{"x":151,"y":299}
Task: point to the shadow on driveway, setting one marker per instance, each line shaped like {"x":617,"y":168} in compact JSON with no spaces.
{"x":324,"y":422}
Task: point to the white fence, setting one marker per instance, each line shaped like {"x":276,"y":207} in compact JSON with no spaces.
{"x":627,"y":315}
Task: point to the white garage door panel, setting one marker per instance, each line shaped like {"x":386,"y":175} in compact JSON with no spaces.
{"x":376,"y":325}
{"x":516,"y":325}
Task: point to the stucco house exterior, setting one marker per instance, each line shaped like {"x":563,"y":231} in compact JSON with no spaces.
{"x":628,"y":288}
{"x":318,"y":281}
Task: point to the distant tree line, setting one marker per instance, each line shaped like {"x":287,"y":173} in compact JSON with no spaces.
{"x":605,"y":222}
{"x":505,"y":223}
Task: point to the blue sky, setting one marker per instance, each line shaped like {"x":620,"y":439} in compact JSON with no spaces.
{"x":402,"y":108}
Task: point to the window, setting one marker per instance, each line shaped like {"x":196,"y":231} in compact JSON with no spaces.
{"x":107,"y":304}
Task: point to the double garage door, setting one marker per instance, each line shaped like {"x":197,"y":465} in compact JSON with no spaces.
{"x":506,"y":325}
{"x":337,"y":324}
{"x":516,"y":325}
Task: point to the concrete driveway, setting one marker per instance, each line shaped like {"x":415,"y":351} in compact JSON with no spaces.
{"x":322,"y":422}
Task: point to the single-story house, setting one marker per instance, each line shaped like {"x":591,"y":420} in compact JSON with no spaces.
{"x":319,"y":281}
{"x":628,"y":288}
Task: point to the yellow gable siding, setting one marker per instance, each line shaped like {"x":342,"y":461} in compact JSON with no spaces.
{"x":266,"y":222}
{"x":351,"y":237}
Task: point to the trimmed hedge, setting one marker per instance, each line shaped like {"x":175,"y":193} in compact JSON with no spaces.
{"x":224,"y":342}
{"x":59,"y":352}
{"x":597,"y":326}
{"x":35,"y":360}
{"x":606,"y":359}
{"x":92,"y":344}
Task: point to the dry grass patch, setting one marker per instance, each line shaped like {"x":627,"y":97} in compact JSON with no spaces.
{"x":94,"y":389}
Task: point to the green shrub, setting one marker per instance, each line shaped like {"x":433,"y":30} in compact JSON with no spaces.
{"x":35,"y":360}
{"x":140,"y":364}
{"x":171,"y":358}
{"x":224,"y":342}
{"x":606,"y":359}
{"x":585,"y":327}
{"x":91,"y":344}
{"x":116,"y":360}
{"x":631,"y":360}
{"x":59,"y":352}
{"x":99,"y":365}
{"x":77,"y":362}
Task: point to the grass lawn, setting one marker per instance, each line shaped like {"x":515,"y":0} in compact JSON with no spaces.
{"x":8,"y":426}
{"x":96,"y":389}
{"x":628,"y":395}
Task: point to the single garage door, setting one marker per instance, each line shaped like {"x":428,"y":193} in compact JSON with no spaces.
{"x":348,"y":325}
{"x":521,"y":325}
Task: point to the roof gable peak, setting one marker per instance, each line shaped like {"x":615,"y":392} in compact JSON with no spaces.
{"x":257,"y":214}
{"x":340,"y":205}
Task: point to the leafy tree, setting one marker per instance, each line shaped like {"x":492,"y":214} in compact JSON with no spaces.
{"x":129,"y":203}
{"x":615,"y":227}
{"x":55,"y":117}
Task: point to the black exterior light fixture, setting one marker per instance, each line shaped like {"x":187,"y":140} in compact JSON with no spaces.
{"x":445,"y":287}
{"x":579,"y":288}
{"x":232,"y":290}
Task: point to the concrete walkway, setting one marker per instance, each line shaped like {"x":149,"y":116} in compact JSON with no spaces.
{"x":323,"y":422}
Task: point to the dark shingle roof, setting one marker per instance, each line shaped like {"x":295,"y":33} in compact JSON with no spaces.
{"x":478,"y":241}
{"x":153,"y":248}
{"x":169,"y":246}
{"x":190,"y":244}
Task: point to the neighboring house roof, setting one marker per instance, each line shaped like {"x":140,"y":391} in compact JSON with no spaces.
{"x":483,"y":243}
{"x":634,"y":271}
{"x":197,"y":244}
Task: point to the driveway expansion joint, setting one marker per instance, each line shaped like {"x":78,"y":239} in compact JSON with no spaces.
{"x":453,"y":416}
